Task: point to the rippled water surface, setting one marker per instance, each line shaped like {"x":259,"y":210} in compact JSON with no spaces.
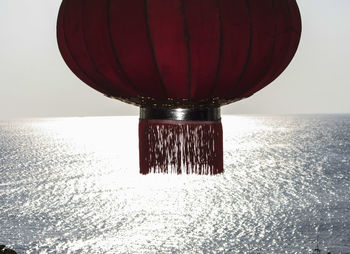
{"x":71,"y":185}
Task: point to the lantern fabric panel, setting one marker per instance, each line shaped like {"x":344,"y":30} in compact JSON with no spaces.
{"x":168,"y":31}
{"x":146,"y":51}
{"x":74,"y":37}
{"x":99,"y":46}
{"x":287,"y":40}
{"x":133,"y":46}
{"x":235,"y":45}
{"x":203,"y":19}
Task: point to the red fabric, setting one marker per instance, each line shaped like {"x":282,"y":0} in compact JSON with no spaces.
{"x":287,"y":37}
{"x":187,"y":49}
{"x":204,"y":29}
{"x":132,"y":47}
{"x":167,"y":34}
{"x":235,"y":45}
{"x":180,"y":147}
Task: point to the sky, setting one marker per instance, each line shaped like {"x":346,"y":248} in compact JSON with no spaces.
{"x":35,"y":82}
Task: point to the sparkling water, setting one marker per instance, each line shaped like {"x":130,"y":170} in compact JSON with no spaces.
{"x":72,"y":185}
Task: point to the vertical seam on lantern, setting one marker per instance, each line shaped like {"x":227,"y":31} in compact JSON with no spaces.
{"x":220,"y":50}
{"x":290,"y":41}
{"x":290,"y":24}
{"x":273,"y":77}
{"x":115,"y":51}
{"x":263,"y":75}
{"x":298,"y":31}
{"x":73,"y":57}
{"x":149,"y":35}
{"x":187,"y":42}
{"x":233,"y":89}
{"x":88,"y":53}
{"x":300,"y":21}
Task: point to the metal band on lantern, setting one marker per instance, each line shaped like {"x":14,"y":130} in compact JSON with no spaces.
{"x":181,"y":114}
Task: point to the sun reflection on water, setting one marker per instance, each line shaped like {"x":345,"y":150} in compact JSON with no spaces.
{"x":76,"y":188}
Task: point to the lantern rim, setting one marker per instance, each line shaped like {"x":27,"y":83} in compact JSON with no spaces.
{"x":211,"y":114}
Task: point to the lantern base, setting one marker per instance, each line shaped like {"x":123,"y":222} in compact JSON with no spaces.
{"x":181,"y":146}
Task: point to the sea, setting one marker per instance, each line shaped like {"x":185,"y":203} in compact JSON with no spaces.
{"x":72,"y":185}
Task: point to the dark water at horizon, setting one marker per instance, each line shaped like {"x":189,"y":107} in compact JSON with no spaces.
{"x":71,"y":185}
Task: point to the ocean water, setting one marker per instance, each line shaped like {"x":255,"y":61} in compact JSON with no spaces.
{"x":71,"y":185}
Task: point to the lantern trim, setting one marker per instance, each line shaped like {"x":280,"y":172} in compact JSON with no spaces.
{"x":181,"y":114}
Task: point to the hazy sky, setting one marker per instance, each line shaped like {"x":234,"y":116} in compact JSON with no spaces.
{"x":35,"y":82}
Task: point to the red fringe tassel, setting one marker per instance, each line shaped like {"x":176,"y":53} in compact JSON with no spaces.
{"x":181,"y":147}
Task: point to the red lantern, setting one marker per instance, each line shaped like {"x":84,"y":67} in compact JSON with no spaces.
{"x":179,"y":60}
